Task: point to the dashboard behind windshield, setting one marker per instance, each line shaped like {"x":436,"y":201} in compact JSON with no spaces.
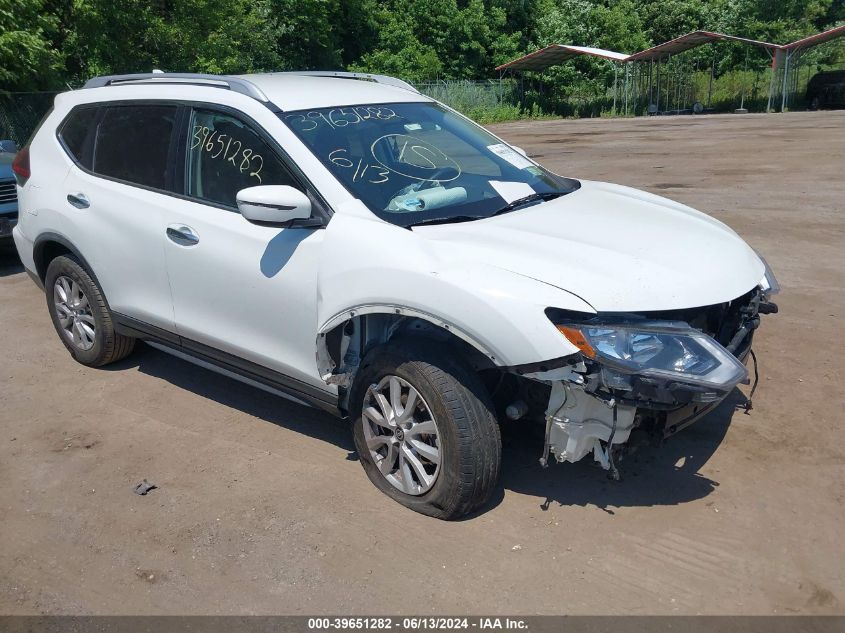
{"x":414,"y":163}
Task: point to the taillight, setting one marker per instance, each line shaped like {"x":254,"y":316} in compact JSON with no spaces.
{"x":21,"y":166}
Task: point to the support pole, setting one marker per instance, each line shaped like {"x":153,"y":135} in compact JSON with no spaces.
{"x":712,"y":72}
{"x":522,"y":86}
{"x":678,"y":77}
{"x":796,"y":72}
{"x":668,"y":82}
{"x":627,"y":74}
{"x":775,"y":64}
{"x":501,"y":87}
{"x":657,"y":101}
{"x":615,"y":80}
{"x":785,"y":86}
{"x":650,"y":94}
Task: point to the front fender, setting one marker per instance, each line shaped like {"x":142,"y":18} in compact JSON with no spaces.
{"x":373,"y":266}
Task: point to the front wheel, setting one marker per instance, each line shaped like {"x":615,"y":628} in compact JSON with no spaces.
{"x":424,"y":430}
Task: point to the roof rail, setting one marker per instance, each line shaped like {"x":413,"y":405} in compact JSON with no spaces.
{"x":235,"y":84}
{"x":381,"y":79}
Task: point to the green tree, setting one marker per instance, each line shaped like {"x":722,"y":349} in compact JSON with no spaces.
{"x":29,"y":59}
{"x":116,"y":36}
{"x":308,"y":33}
{"x":398,"y":50}
{"x":46,"y":43}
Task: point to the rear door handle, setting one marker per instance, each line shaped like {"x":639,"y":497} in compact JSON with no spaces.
{"x":182,"y":235}
{"x":78,"y":200}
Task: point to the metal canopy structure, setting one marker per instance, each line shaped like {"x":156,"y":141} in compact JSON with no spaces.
{"x":689,"y":41}
{"x":818,"y":38}
{"x":785,"y":59}
{"x":559,"y":53}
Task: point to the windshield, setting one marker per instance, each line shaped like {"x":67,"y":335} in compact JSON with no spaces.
{"x":420,"y":163}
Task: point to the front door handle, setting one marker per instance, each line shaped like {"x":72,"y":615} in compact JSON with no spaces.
{"x":78,"y":200}
{"x":182,"y":235}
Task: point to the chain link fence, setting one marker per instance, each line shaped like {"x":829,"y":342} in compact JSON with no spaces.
{"x":508,"y":98}
{"x":485,"y":100}
{"x":20,"y":113}
{"x":481,"y":93}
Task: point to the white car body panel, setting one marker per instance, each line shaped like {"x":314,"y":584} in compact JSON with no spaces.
{"x":301,"y":92}
{"x":619,"y":249}
{"x":113,"y":232}
{"x":488,"y":280}
{"x":296,"y":307}
{"x":121,"y":229}
{"x":501,"y":311}
{"x":492,"y":278}
{"x":246,"y":289}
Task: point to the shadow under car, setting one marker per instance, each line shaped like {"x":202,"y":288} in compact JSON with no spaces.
{"x":668,"y":474}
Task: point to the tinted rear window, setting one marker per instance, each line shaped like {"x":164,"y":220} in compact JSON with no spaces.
{"x":77,"y":134}
{"x":133,"y":144}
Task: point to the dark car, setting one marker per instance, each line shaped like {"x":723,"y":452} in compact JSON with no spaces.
{"x":8,"y":194}
{"x":826,"y":90}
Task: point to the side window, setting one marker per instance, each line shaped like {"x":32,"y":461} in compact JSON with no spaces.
{"x":77,"y":135}
{"x":133,"y":144}
{"x":226,"y":155}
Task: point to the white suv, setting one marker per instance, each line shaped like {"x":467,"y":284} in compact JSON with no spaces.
{"x":351,"y":244}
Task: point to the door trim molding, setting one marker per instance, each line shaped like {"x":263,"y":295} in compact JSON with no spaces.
{"x":314,"y":396}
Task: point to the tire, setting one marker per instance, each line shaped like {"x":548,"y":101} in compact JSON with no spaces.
{"x":467,"y":434}
{"x":67,"y":279}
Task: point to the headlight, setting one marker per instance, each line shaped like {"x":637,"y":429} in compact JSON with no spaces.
{"x":659,"y":350}
{"x":768,"y":283}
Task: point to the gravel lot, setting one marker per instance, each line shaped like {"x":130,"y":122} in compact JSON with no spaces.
{"x":262,"y":507}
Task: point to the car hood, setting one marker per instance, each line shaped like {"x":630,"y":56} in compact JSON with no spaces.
{"x":617,"y":248}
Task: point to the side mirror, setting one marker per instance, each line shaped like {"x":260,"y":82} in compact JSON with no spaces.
{"x":273,"y":204}
{"x":9,"y":147}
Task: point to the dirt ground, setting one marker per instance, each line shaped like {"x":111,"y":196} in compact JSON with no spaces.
{"x":261,"y":506}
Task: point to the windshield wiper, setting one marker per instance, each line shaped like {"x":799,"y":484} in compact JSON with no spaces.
{"x":447,"y":219}
{"x":534,"y":197}
{"x":519,"y":202}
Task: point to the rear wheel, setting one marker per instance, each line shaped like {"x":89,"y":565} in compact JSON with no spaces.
{"x":425,"y":431}
{"x":81,"y":316}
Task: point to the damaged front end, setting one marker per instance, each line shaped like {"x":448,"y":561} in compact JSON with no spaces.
{"x":655,"y":371}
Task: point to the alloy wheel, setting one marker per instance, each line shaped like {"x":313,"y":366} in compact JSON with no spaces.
{"x":401,"y":435}
{"x":74,"y":313}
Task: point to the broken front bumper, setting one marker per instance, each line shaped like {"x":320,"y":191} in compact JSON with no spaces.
{"x":679,"y":419}
{"x":595,"y":403}
{"x":579,"y":423}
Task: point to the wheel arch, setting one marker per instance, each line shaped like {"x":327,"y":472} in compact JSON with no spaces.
{"x":50,"y":245}
{"x":345,"y":339}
